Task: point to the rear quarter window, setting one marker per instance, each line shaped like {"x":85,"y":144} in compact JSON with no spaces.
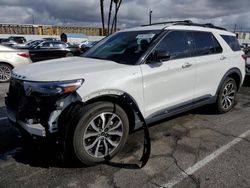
{"x":232,"y":42}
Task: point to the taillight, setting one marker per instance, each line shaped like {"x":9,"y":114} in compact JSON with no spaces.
{"x":244,"y":56}
{"x":26,"y":55}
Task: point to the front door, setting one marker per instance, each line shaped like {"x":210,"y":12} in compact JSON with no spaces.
{"x":168,"y":83}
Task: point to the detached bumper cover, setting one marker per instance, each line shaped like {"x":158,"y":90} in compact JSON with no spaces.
{"x":33,"y":129}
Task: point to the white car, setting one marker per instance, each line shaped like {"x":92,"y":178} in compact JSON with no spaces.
{"x":131,"y":78}
{"x":9,"y":59}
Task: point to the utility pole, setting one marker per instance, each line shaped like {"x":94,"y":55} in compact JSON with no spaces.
{"x":33,"y":19}
{"x":235,"y":27}
{"x":150,"y":17}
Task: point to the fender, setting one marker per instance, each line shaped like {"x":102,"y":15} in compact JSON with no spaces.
{"x":229,"y":72}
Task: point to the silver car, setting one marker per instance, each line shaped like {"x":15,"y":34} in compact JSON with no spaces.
{"x":9,"y":59}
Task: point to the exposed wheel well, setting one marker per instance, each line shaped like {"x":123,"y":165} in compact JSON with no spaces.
{"x":116,"y":100}
{"x":237,"y":79}
{"x":7,"y":64}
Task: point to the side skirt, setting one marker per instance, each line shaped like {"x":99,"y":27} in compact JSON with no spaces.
{"x":177,"y":109}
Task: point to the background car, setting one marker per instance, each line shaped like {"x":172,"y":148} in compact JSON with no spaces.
{"x":9,"y":59}
{"x":45,"y":50}
{"x":86,"y":46}
{"x":8,"y":42}
{"x":18,"y":39}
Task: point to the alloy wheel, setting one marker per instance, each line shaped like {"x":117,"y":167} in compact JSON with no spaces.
{"x":228,"y":96}
{"x":103,"y":135}
{"x":5,"y":73}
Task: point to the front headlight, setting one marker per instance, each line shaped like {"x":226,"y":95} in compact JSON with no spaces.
{"x":51,"y":88}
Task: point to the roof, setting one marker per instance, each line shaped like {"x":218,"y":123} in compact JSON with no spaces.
{"x":75,"y":35}
{"x":182,"y":26}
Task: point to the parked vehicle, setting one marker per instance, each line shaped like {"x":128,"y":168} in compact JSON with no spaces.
{"x":8,"y":42}
{"x":85,"y":47}
{"x":45,"y":49}
{"x":90,"y":104}
{"x":248,"y":63}
{"x":18,"y":39}
{"x":9,"y":59}
{"x":50,"y":39}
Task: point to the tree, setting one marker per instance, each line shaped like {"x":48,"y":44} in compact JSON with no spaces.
{"x":110,"y":27}
{"x":102,"y":16}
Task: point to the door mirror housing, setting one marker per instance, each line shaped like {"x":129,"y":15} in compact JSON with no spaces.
{"x":161,"y":55}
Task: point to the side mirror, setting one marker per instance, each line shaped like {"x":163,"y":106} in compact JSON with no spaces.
{"x":38,"y":47}
{"x":161,"y":55}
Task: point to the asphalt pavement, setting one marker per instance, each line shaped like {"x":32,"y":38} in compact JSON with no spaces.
{"x":197,"y":149}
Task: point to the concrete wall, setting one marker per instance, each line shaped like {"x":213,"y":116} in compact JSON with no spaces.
{"x":37,"y":37}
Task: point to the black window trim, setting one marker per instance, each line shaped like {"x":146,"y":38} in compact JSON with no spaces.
{"x":158,"y":41}
{"x":214,"y":40}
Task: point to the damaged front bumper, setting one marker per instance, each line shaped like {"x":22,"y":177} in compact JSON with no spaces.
{"x":37,"y":115}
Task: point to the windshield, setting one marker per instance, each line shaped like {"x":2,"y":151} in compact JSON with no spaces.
{"x":123,"y":47}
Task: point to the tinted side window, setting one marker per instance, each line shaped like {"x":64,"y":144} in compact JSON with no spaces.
{"x":232,"y":42}
{"x":205,"y":43}
{"x":176,"y":43}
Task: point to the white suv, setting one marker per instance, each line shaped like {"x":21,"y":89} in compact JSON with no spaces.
{"x":145,"y":74}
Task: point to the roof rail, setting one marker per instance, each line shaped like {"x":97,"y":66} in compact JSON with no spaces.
{"x":189,"y":23}
{"x":208,"y":25}
{"x":170,"y":22}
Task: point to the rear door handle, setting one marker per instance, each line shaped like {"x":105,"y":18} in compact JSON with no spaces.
{"x":186,"y":65}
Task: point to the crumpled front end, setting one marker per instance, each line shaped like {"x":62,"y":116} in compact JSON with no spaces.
{"x":37,"y":115}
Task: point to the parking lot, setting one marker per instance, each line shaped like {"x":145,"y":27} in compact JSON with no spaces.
{"x":195,"y":149}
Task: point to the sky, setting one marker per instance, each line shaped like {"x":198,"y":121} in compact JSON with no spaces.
{"x":225,"y":13}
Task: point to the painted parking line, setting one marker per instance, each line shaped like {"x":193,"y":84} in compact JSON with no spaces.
{"x":3,"y":118}
{"x":205,"y":161}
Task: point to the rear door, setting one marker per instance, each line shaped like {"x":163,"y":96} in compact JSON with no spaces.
{"x":169,"y":84}
{"x":209,"y":63}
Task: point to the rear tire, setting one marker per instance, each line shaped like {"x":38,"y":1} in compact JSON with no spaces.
{"x":101,"y":131}
{"x":226,"y":99}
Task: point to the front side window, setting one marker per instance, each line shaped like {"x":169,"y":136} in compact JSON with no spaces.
{"x":175,"y":44}
{"x":123,"y":47}
{"x":205,"y":44}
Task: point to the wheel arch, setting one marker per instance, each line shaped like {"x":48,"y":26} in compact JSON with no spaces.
{"x":125,"y":101}
{"x":234,"y":73}
{"x":6,"y":63}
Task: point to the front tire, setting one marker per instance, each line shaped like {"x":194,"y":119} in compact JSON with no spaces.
{"x":101,"y":132}
{"x":227,"y":96}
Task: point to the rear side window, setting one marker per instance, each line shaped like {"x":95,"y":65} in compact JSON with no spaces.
{"x":205,"y":44}
{"x":232,"y":42}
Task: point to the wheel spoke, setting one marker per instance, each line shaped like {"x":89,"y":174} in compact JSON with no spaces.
{"x":112,"y":143}
{"x":97,"y":148}
{"x":92,"y":124}
{"x":110,"y":119}
{"x":102,"y":116}
{"x":92,"y":145}
{"x":116,"y":126}
{"x":115,"y":133}
{"x":106,"y":152}
{"x":93,"y":134}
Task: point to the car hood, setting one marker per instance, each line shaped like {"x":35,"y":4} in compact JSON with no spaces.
{"x":64,"y":69}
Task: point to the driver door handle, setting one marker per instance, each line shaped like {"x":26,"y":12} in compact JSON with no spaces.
{"x":186,"y":65}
